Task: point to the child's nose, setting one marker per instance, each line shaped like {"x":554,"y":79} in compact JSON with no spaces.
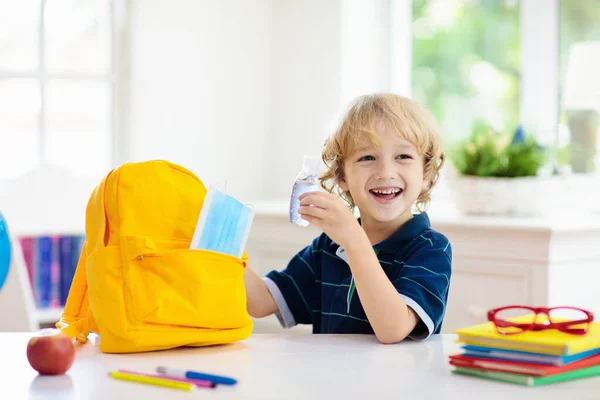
{"x":385,"y":170}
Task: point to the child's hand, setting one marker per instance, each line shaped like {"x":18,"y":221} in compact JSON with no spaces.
{"x":330,"y":213}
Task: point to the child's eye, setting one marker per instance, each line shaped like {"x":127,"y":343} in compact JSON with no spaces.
{"x":366,"y":158}
{"x":404,"y":157}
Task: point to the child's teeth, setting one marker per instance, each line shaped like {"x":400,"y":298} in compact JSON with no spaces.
{"x":390,"y":191}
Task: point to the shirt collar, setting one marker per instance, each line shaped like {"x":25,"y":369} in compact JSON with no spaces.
{"x":412,"y":228}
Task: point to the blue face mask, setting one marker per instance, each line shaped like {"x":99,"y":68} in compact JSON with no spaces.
{"x":223,"y":225}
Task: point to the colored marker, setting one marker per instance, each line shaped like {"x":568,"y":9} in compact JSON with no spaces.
{"x":196,"y":382}
{"x":152,"y":381}
{"x":179,"y":373}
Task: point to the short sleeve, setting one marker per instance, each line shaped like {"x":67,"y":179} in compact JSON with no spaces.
{"x":424,"y":281}
{"x":295,"y":287}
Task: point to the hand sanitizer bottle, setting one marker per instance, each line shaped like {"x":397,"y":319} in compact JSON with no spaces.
{"x":306,"y":181}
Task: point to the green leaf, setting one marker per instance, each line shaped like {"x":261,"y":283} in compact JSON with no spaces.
{"x":488,"y":153}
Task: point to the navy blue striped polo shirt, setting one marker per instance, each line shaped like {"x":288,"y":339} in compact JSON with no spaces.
{"x":317,"y":286}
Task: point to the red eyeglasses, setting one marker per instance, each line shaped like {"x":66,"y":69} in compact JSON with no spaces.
{"x":511,"y":320}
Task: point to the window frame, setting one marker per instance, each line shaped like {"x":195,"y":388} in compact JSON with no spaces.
{"x":42,"y":76}
{"x":539,"y":106}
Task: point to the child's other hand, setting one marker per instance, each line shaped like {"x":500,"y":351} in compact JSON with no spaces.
{"x":329,"y":213}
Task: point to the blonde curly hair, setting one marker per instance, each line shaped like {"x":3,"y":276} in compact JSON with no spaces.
{"x":410,"y":120}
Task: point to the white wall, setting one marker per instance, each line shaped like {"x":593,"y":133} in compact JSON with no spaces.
{"x":198,"y":87}
{"x":365,"y":47}
{"x":232,"y":98}
{"x":305,"y":87}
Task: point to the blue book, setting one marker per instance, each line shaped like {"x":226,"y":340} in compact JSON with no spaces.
{"x":76,"y":251}
{"x":44,"y":270}
{"x":523,"y":356}
{"x":66,"y":267}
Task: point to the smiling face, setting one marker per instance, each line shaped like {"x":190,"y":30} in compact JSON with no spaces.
{"x":384,"y":156}
{"x":384,"y":179}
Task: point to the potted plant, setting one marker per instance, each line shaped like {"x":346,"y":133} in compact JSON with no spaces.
{"x":502,"y":174}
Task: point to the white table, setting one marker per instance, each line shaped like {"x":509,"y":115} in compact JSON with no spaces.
{"x":277,"y":367}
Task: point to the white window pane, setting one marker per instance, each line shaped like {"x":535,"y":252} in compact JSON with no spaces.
{"x":466,"y":63}
{"x":78,"y":126}
{"x":19,"y":22}
{"x":19,"y":126}
{"x":77,"y":36}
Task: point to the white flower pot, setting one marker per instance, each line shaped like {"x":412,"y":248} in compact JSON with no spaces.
{"x":525,"y":196}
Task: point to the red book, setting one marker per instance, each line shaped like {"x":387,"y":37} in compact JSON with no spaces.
{"x":27,"y":247}
{"x":518,"y":367}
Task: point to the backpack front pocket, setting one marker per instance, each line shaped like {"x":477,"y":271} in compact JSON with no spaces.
{"x":194,"y":288}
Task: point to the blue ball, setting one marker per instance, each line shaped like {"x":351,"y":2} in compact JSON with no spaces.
{"x":5,"y":252}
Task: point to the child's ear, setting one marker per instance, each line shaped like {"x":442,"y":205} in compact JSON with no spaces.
{"x":343,"y":185}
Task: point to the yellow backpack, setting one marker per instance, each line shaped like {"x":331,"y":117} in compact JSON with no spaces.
{"x":137,"y":284}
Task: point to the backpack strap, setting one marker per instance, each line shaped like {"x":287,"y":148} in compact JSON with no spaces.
{"x":77,"y":318}
{"x":74,"y":320}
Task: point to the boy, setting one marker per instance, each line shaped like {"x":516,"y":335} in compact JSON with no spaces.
{"x":388,"y":272}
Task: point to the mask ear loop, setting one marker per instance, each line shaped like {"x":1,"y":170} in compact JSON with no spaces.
{"x":218,"y":184}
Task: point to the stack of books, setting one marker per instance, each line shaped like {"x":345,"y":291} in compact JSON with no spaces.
{"x":51,"y":261}
{"x":528,"y":358}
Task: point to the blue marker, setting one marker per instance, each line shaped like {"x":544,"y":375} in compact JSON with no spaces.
{"x":179,"y":373}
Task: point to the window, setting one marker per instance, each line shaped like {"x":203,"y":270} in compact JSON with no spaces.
{"x":56,"y":85}
{"x":504,"y":61}
{"x":466,"y":61}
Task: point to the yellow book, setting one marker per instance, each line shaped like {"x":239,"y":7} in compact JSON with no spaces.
{"x":548,"y":341}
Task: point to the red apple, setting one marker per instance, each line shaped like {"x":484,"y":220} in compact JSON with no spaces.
{"x":51,"y":352}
